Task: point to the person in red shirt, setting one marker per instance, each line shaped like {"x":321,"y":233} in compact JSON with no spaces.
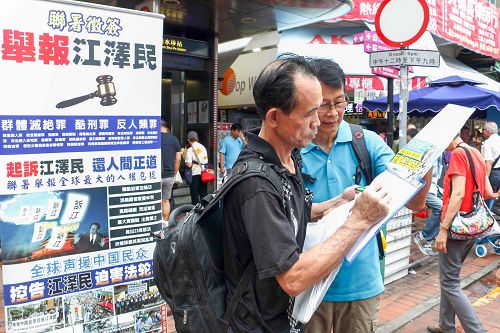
{"x":452,"y":254}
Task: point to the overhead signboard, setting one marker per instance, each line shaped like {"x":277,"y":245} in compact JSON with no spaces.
{"x":185,"y":46}
{"x":424,"y":58}
{"x":401,"y":23}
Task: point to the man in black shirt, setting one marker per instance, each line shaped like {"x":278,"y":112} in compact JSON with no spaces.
{"x":170,"y":162}
{"x":256,"y":227}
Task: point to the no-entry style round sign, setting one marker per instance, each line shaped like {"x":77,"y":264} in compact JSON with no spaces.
{"x":401,"y":22}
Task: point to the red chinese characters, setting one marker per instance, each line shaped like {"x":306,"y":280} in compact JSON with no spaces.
{"x":19,"y":46}
{"x":22,"y":169}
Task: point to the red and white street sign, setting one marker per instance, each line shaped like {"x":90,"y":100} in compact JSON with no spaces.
{"x":358,"y":38}
{"x":387,"y":72}
{"x":369,"y":47}
{"x":400,"y":23}
{"x":371,"y":36}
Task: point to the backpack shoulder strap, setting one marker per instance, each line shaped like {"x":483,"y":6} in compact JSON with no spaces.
{"x":365,"y":166}
{"x":361,"y":152}
{"x":251,"y":168}
{"x":240,"y":172}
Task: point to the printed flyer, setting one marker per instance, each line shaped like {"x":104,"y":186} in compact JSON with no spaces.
{"x":80,"y":191}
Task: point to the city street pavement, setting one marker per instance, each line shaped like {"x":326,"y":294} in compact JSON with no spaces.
{"x":410,"y":304}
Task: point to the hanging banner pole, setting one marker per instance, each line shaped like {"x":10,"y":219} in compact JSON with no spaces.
{"x":403,"y":104}
{"x":390,"y":110}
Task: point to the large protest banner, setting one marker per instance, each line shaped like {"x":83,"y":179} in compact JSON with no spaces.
{"x":80,"y":185}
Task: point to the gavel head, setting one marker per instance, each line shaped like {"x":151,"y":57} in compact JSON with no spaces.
{"x":106,"y":90}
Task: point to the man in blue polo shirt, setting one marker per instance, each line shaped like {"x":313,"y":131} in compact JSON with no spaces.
{"x":230,"y":148}
{"x":352,"y":301}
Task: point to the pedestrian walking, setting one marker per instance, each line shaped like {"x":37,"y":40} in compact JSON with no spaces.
{"x":170,"y":162}
{"x":230,"y":148}
{"x":196,"y":159}
{"x":459,"y":186}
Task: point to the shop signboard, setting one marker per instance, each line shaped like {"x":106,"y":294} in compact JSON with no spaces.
{"x":359,"y":96}
{"x":236,"y":87}
{"x":354,"y":82}
{"x":371,"y":94}
{"x":80,"y":191}
{"x":376,"y":114}
{"x":185,"y":46}
{"x":473,"y":24}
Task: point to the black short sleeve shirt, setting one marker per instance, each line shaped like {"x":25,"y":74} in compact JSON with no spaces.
{"x":257,"y":230}
{"x":169,"y":147}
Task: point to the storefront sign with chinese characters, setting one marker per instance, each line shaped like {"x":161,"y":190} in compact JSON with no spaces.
{"x":185,"y":46}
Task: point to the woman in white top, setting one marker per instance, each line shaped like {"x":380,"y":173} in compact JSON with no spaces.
{"x":196,"y":159}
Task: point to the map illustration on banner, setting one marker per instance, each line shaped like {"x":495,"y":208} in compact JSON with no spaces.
{"x":80,"y":191}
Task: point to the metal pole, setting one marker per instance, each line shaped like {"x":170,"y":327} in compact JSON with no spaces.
{"x":390,"y":112}
{"x":403,"y":103}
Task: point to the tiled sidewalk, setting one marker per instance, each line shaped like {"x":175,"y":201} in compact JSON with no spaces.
{"x":402,"y":298}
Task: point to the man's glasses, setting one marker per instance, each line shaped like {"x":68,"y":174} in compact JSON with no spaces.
{"x":339,"y":106}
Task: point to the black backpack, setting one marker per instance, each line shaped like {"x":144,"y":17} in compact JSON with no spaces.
{"x":188,"y":261}
{"x":364,"y":166}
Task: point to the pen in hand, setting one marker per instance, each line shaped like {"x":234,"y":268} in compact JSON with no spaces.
{"x":359,"y":189}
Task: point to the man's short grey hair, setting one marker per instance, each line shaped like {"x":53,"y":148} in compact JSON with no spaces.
{"x":491,"y":127}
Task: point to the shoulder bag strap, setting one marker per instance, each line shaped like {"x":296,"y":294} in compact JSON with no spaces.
{"x":471,"y":165}
{"x":202,"y":166}
{"x":495,"y":162}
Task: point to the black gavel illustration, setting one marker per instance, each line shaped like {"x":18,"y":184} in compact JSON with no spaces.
{"x":105,"y":90}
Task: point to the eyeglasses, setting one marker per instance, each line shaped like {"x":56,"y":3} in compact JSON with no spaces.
{"x":339,"y":106}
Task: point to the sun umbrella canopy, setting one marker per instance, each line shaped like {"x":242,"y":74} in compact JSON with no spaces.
{"x":454,"y":80}
{"x":453,"y":89}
